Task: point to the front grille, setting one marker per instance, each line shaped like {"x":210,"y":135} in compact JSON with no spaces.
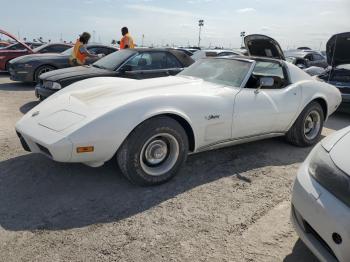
{"x":307,"y":228}
{"x":310,"y":230}
{"x":44,"y":150}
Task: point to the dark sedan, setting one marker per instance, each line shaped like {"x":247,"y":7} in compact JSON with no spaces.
{"x":28,"y":68}
{"x":130,"y":63}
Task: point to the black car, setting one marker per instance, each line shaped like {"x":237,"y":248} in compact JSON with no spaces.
{"x":130,"y":63}
{"x":28,"y":68}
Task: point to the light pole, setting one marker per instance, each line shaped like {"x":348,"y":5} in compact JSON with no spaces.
{"x":200,"y":24}
{"x":143,"y":38}
{"x":242,"y":35}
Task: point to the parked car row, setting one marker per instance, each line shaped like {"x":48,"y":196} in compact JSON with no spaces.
{"x":147,"y":109}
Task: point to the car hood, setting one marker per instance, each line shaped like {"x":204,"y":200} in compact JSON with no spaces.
{"x":36,"y":57}
{"x":339,"y":152}
{"x":75,"y":72}
{"x":338,"y":49}
{"x":264,"y":46}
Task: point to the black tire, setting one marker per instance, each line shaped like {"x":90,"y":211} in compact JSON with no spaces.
{"x":296,"y":134}
{"x":133,"y":162}
{"x":42,"y":69}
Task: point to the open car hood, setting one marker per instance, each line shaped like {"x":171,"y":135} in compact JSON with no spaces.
{"x":338,"y":49}
{"x":14,"y":38}
{"x":262,"y":45}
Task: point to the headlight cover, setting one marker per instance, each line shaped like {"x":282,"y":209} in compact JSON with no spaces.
{"x":325,"y":172}
{"x":52,"y":85}
{"x":56,"y":86}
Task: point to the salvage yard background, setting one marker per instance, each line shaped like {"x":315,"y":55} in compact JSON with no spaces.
{"x":225,"y":205}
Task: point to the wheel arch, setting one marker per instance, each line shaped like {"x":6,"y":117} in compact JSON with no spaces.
{"x":182,"y":119}
{"x":40,"y":66}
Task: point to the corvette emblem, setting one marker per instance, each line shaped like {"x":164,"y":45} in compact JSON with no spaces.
{"x":35,"y":113}
{"x":210,"y":117}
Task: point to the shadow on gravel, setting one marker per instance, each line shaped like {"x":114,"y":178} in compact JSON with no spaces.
{"x":16,"y":86}
{"x":37,"y":193}
{"x":28,"y":106}
{"x":300,"y":253}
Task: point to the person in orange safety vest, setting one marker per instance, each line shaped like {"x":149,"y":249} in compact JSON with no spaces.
{"x":126,"y":41}
{"x":80,"y":52}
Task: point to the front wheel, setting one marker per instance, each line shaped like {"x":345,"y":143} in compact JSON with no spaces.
{"x":41,"y":70}
{"x":154,"y":152}
{"x":306,"y":131}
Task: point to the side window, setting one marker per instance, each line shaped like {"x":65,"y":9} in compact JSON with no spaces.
{"x":108,"y":51}
{"x":226,"y":54}
{"x":317,"y":57}
{"x":141,"y":61}
{"x":269,"y":69}
{"x":172,"y":62}
{"x":309,"y":57}
{"x":93,"y":50}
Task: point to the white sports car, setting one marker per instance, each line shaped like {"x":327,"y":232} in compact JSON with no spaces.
{"x":149,"y":126}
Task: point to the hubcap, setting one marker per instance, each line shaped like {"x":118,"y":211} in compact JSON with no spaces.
{"x":312,"y":125}
{"x":159,"y":154}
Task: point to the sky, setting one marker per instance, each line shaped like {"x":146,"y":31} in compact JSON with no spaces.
{"x":175,"y":22}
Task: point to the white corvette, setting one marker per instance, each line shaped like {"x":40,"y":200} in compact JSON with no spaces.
{"x":150,"y":126}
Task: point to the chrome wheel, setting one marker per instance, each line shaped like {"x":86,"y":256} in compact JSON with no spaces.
{"x":44,"y":70}
{"x":159,"y":154}
{"x":312,"y":125}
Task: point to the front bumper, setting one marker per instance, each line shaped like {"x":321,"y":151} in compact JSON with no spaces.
{"x":42,"y":92}
{"x":21,"y":74}
{"x":317,"y":216}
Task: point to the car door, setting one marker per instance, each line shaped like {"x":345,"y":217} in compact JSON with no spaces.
{"x":265,"y":110}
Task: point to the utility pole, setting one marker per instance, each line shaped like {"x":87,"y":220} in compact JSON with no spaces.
{"x":200,"y":24}
{"x":143,"y":38}
{"x":242,"y":36}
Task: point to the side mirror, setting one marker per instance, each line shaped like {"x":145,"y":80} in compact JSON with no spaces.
{"x":265,"y":81}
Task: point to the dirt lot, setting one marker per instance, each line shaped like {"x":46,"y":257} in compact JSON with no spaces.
{"x":225,"y":205}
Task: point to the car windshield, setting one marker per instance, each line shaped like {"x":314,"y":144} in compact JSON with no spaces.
{"x":219,"y":71}
{"x":114,"y":60}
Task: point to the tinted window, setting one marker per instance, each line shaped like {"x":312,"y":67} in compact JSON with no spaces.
{"x":57,"y":48}
{"x":153,"y":61}
{"x":317,"y":57}
{"x":172,"y":61}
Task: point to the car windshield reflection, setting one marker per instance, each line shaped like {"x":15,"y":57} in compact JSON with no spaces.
{"x":229,"y":72}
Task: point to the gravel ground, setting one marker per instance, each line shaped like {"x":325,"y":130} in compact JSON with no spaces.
{"x":226,"y":205}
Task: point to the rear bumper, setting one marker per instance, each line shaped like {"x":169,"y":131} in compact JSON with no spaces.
{"x":317,"y":215}
{"x":41,"y":92}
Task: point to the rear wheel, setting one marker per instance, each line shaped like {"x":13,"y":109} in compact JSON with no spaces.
{"x":154,"y":152}
{"x":306,"y":131}
{"x":41,"y":70}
